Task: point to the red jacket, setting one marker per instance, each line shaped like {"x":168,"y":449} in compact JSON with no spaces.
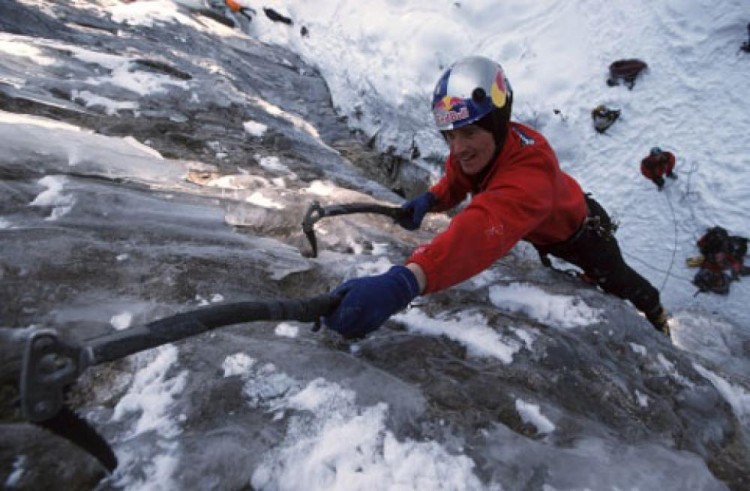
{"x":524,"y":196}
{"x":655,"y":166}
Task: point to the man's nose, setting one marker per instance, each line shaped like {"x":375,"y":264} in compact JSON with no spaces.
{"x":458,"y":144}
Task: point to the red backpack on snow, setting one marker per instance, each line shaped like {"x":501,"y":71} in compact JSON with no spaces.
{"x":625,"y":70}
{"x":720,"y":252}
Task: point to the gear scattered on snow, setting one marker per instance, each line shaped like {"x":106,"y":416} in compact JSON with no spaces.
{"x":626,"y":71}
{"x":604,"y":117}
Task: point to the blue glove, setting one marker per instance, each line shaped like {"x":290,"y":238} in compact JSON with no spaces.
{"x":418,"y":208}
{"x":368,"y":302}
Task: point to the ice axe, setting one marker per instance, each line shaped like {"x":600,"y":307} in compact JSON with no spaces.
{"x":50,"y":365}
{"x":315,"y":212}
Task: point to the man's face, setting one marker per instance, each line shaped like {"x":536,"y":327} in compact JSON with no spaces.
{"x":472,"y":146}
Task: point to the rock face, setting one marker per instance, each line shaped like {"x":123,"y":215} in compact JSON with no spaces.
{"x":122,"y":205}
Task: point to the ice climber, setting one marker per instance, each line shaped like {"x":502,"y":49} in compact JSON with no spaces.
{"x":518,"y":192}
{"x":657,"y":164}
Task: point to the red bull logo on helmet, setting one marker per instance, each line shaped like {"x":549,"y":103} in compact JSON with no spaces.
{"x":499,"y":92}
{"x":450,"y":109}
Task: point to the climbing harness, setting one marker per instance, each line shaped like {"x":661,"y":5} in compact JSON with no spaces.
{"x":592,"y":223}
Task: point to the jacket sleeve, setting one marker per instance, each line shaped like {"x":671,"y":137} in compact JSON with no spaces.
{"x":490,"y":225}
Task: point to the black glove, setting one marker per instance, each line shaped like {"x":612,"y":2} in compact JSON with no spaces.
{"x":418,"y":207}
{"x":369,"y":301}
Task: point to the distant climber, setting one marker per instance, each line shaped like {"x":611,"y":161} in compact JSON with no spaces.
{"x":276,"y":16}
{"x":241,"y":7}
{"x":233,"y":5}
{"x":604,"y":117}
{"x":625,"y":70}
{"x":746,"y":45}
{"x":658,"y":164}
{"x":720,"y":262}
{"x":236,"y":7}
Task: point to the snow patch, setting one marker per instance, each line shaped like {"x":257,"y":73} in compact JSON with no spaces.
{"x":562,"y":311}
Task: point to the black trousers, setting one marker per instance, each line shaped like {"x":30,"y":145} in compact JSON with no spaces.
{"x":594,"y":249}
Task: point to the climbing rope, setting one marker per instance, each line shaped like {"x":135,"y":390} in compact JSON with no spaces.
{"x":668,"y":272}
{"x":674,"y":246}
{"x":687,"y":193}
{"x":655,"y":268}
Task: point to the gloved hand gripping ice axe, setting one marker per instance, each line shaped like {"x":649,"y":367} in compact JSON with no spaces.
{"x":51,"y":365}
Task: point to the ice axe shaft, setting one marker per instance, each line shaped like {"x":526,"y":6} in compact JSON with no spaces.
{"x":316,"y":212}
{"x":50,"y":365}
{"x":180,"y":326}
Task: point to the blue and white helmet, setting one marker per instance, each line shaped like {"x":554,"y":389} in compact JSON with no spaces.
{"x":469,"y":90}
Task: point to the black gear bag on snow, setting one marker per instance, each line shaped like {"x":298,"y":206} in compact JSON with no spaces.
{"x":707,"y":280}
